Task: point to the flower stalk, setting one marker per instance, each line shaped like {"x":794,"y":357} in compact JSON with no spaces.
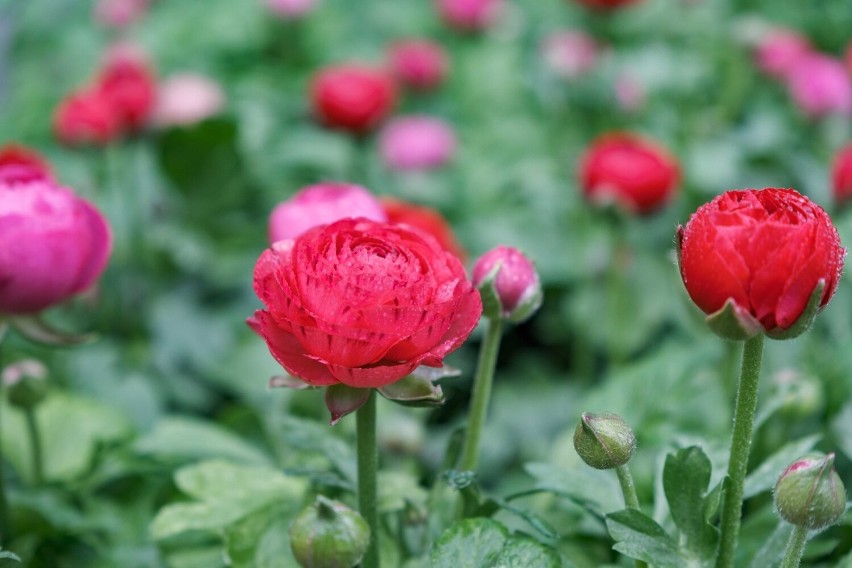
{"x":368,"y":461}
{"x":35,"y":444}
{"x":795,"y":547}
{"x":4,"y":505}
{"x":744,"y":413}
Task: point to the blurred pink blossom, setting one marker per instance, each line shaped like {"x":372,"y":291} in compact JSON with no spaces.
{"x":469,"y":15}
{"x":848,"y":57}
{"x":569,"y":53}
{"x":629,"y":93}
{"x":820,"y":85}
{"x":321,"y":204}
{"x":780,"y":50}
{"x":120,"y":13}
{"x":187,"y":98}
{"x":417,"y":143}
{"x":418,"y":64}
{"x":290,"y":9}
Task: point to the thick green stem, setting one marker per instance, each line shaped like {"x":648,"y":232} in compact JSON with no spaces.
{"x":744,"y":412}
{"x":481,"y":393}
{"x":795,"y":547}
{"x":628,"y":489}
{"x":35,"y":445}
{"x":368,"y":462}
{"x":4,"y":506}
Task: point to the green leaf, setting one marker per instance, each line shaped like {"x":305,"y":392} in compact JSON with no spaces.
{"x":592,"y":488}
{"x":766,"y":475}
{"x":485,"y":543}
{"x":772,"y":550}
{"x":190,"y":439}
{"x":227,"y":493}
{"x":68,"y":451}
{"x":313,"y":437}
{"x":638,"y":536}
{"x":686,"y":477}
{"x":397,"y":489}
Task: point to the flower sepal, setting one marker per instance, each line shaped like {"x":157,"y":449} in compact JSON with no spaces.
{"x":418,"y":388}
{"x":34,"y":328}
{"x":287,"y":382}
{"x":342,"y":400}
{"x":812,"y":308}
{"x":733,"y":322}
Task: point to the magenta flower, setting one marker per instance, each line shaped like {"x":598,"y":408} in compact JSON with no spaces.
{"x":53,"y":245}
{"x":780,"y":50}
{"x":321,"y":204}
{"x":418,"y":64}
{"x":417,"y":143}
{"x":290,"y":9}
{"x":820,"y":85}
{"x":187,"y":98}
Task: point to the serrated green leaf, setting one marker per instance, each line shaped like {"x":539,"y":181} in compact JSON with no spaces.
{"x":485,"y":543}
{"x":242,"y":539}
{"x":766,"y":475}
{"x":398,"y":489}
{"x":524,"y":552}
{"x":686,"y":476}
{"x":638,"y":536}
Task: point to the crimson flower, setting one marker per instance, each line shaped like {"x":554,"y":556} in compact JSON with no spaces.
{"x":129,"y":84}
{"x":425,"y":219}
{"x":352,"y":97}
{"x":418,"y":64}
{"x":764,"y":252}
{"x":86,"y":117}
{"x":19,"y":164}
{"x":841,"y":174}
{"x":362,"y":303}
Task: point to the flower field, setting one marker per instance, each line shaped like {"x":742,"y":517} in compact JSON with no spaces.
{"x":425,"y":283}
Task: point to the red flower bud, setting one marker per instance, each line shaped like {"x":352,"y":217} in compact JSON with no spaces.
{"x":362,"y":303}
{"x":87,"y":117}
{"x":423,"y":218}
{"x":19,"y":164}
{"x":53,"y":245}
{"x":766,"y":253}
{"x":352,"y":97}
{"x":418,"y":64}
{"x":513,"y":282}
{"x":630,"y":170}
{"x":841,"y":174}
{"x":127,"y":81}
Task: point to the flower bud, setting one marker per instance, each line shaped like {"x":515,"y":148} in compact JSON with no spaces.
{"x":569,"y":53}
{"x":354,"y":98}
{"x":414,"y":143}
{"x":604,"y":441}
{"x":128,"y":82}
{"x":187,"y":98}
{"x":420,"y":65}
{"x":319,"y":205}
{"x":509,"y":284}
{"x":810,"y":494}
{"x":328,"y":534}
{"x":469,"y":15}
{"x":26,"y":381}
{"x":87,"y":117}
{"x":841,"y":174}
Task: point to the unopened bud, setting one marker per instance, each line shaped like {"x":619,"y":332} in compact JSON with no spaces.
{"x":604,"y":441}
{"x":810,"y":494}
{"x":328,"y":534}
{"x":509,"y":284}
{"x":26,"y":381}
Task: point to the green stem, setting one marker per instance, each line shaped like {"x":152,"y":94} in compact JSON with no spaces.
{"x":628,"y":489}
{"x":795,"y":547}
{"x":368,"y":461}
{"x":4,"y":505}
{"x":35,"y":445}
{"x":481,"y":393}
{"x":744,"y":412}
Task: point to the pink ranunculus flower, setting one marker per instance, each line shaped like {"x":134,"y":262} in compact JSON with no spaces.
{"x":416,"y":143}
{"x":53,"y":245}
{"x":469,"y":15}
{"x":629,"y":93}
{"x":569,"y":53}
{"x":187,"y":98}
{"x":290,"y":9}
{"x":418,"y":64}
{"x":321,"y":204}
{"x":120,"y":13}
{"x":820,"y":86}
{"x":780,"y":50}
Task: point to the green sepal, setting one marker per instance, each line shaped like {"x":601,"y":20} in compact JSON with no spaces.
{"x":414,"y":390}
{"x":527,"y":307}
{"x":288,"y":382}
{"x":37,"y":330}
{"x":801,"y":325}
{"x":491,"y":306}
{"x":342,"y":400}
{"x":733,"y":322}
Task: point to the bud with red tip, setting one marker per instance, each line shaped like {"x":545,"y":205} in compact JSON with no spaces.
{"x":26,"y":382}
{"x":352,"y":97}
{"x":328,"y":534}
{"x":841,"y":174}
{"x":629,"y":170}
{"x":508,"y":283}
{"x":420,"y":65}
{"x":604,"y":441}
{"x":760,"y":261}
{"x":810,"y":494}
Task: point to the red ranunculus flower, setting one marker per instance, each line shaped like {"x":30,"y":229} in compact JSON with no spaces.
{"x":841,"y":174}
{"x":352,"y":97}
{"x":764,"y":250}
{"x":87,"y":117}
{"x":19,"y":164}
{"x":128,"y":82}
{"x":630,"y":170}
{"x":418,"y":63}
{"x":423,"y":218}
{"x":362,"y":303}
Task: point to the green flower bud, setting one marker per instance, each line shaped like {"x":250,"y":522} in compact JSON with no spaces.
{"x":604,"y":441}
{"x":809,"y":493}
{"x":26,"y":381}
{"x":328,"y":534}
